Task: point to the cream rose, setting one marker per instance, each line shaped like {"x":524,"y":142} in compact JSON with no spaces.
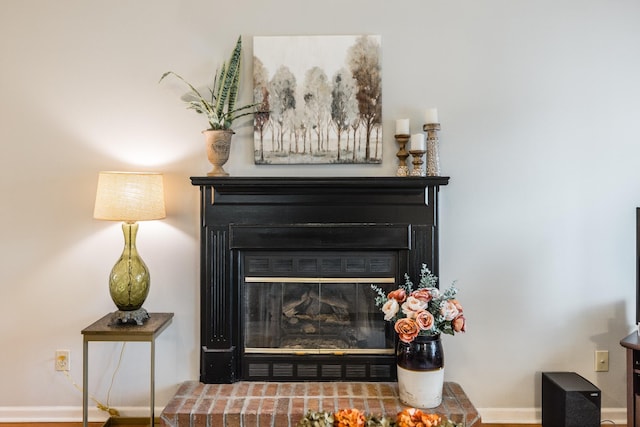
{"x":390,"y":309}
{"x":412,"y":306}
{"x":449,"y":310}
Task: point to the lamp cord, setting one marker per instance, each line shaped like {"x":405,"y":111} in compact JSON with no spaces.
{"x":115,"y":371}
{"x":106,"y":408}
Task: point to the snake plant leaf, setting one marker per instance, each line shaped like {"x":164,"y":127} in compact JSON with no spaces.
{"x":233,"y":92}
{"x":217,"y":83}
{"x":195,"y":91}
{"x":193,"y":105}
{"x":227,"y":79}
{"x":220,"y":108}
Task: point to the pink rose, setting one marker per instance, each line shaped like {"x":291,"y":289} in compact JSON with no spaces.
{"x":459,"y":324}
{"x":449,"y":310}
{"x":425,"y":320}
{"x":457,"y":304}
{"x":399,"y":295}
{"x":412,"y":306}
{"x":390,"y":309}
{"x":407,"y":329}
{"x":422,"y":294}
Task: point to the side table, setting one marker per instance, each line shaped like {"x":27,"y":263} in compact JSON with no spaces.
{"x":632,"y":344}
{"x":102,"y":330}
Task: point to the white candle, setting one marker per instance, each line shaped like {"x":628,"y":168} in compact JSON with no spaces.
{"x":431,"y":116}
{"x":417,"y":142}
{"x":402,"y":127}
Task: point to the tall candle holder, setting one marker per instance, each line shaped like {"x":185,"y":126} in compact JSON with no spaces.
{"x":433,"y":157}
{"x":402,"y":154}
{"x":417,"y":162}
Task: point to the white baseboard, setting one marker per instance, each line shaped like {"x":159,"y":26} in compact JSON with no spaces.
{"x":534,"y":415}
{"x":68,"y":414}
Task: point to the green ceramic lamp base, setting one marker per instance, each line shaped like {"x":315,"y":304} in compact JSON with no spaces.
{"x":129,"y":278}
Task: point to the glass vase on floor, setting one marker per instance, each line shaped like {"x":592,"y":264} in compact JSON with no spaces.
{"x":421,"y":371}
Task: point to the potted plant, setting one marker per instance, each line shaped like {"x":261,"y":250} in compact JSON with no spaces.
{"x":220,"y":108}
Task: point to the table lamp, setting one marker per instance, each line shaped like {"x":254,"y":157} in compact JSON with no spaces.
{"x":129,"y":197}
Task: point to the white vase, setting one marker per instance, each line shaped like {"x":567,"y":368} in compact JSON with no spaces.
{"x":421,"y":372}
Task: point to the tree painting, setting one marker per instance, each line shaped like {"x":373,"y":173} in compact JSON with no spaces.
{"x":321,"y":98}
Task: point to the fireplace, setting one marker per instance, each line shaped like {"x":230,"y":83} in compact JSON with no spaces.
{"x":286,"y":271}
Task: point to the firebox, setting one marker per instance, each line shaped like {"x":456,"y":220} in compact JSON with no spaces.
{"x":287,"y":266}
{"x":304,"y":314}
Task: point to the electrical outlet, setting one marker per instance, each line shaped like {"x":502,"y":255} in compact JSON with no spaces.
{"x":63,"y":360}
{"x":601,"y":361}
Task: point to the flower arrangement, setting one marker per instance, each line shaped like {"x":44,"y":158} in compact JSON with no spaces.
{"x":408,"y":417}
{"x":425,"y":310}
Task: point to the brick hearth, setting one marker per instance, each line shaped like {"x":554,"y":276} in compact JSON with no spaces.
{"x":277,"y":404}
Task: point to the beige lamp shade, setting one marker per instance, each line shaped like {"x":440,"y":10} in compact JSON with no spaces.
{"x":129,"y":196}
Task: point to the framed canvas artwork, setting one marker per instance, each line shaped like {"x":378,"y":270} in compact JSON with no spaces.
{"x":320,"y":99}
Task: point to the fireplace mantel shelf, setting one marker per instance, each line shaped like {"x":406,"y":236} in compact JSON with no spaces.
{"x":337,"y":183}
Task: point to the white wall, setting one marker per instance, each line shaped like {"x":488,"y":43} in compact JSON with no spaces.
{"x":538,"y":103}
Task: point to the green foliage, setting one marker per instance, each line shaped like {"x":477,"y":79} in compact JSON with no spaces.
{"x":220,"y":107}
{"x":316,"y":419}
{"x":379,"y":421}
{"x":427,"y":278}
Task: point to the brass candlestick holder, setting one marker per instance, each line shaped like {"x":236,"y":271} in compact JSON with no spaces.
{"x":402,"y":154}
{"x":433,"y":157}
{"x":417,"y":162}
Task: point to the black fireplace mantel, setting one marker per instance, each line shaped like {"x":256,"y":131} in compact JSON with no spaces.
{"x":240,"y":214}
{"x":246,"y":184}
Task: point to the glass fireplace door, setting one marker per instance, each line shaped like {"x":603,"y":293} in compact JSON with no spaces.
{"x":305,"y":315}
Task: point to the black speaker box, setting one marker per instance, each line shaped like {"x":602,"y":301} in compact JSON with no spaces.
{"x":569,"y":400}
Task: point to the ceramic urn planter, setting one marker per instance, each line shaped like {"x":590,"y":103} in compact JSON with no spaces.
{"x":218,"y":143}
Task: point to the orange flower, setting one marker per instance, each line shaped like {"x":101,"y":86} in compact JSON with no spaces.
{"x":430,"y":420}
{"x":412,"y":417}
{"x":459,"y":324}
{"x":425,"y":320}
{"x":407,"y":329}
{"x":422,"y":294}
{"x":349,"y":418}
{"x":399,"y":295}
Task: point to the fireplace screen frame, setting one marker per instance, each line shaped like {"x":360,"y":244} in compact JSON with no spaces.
{"x":314,"y":315}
